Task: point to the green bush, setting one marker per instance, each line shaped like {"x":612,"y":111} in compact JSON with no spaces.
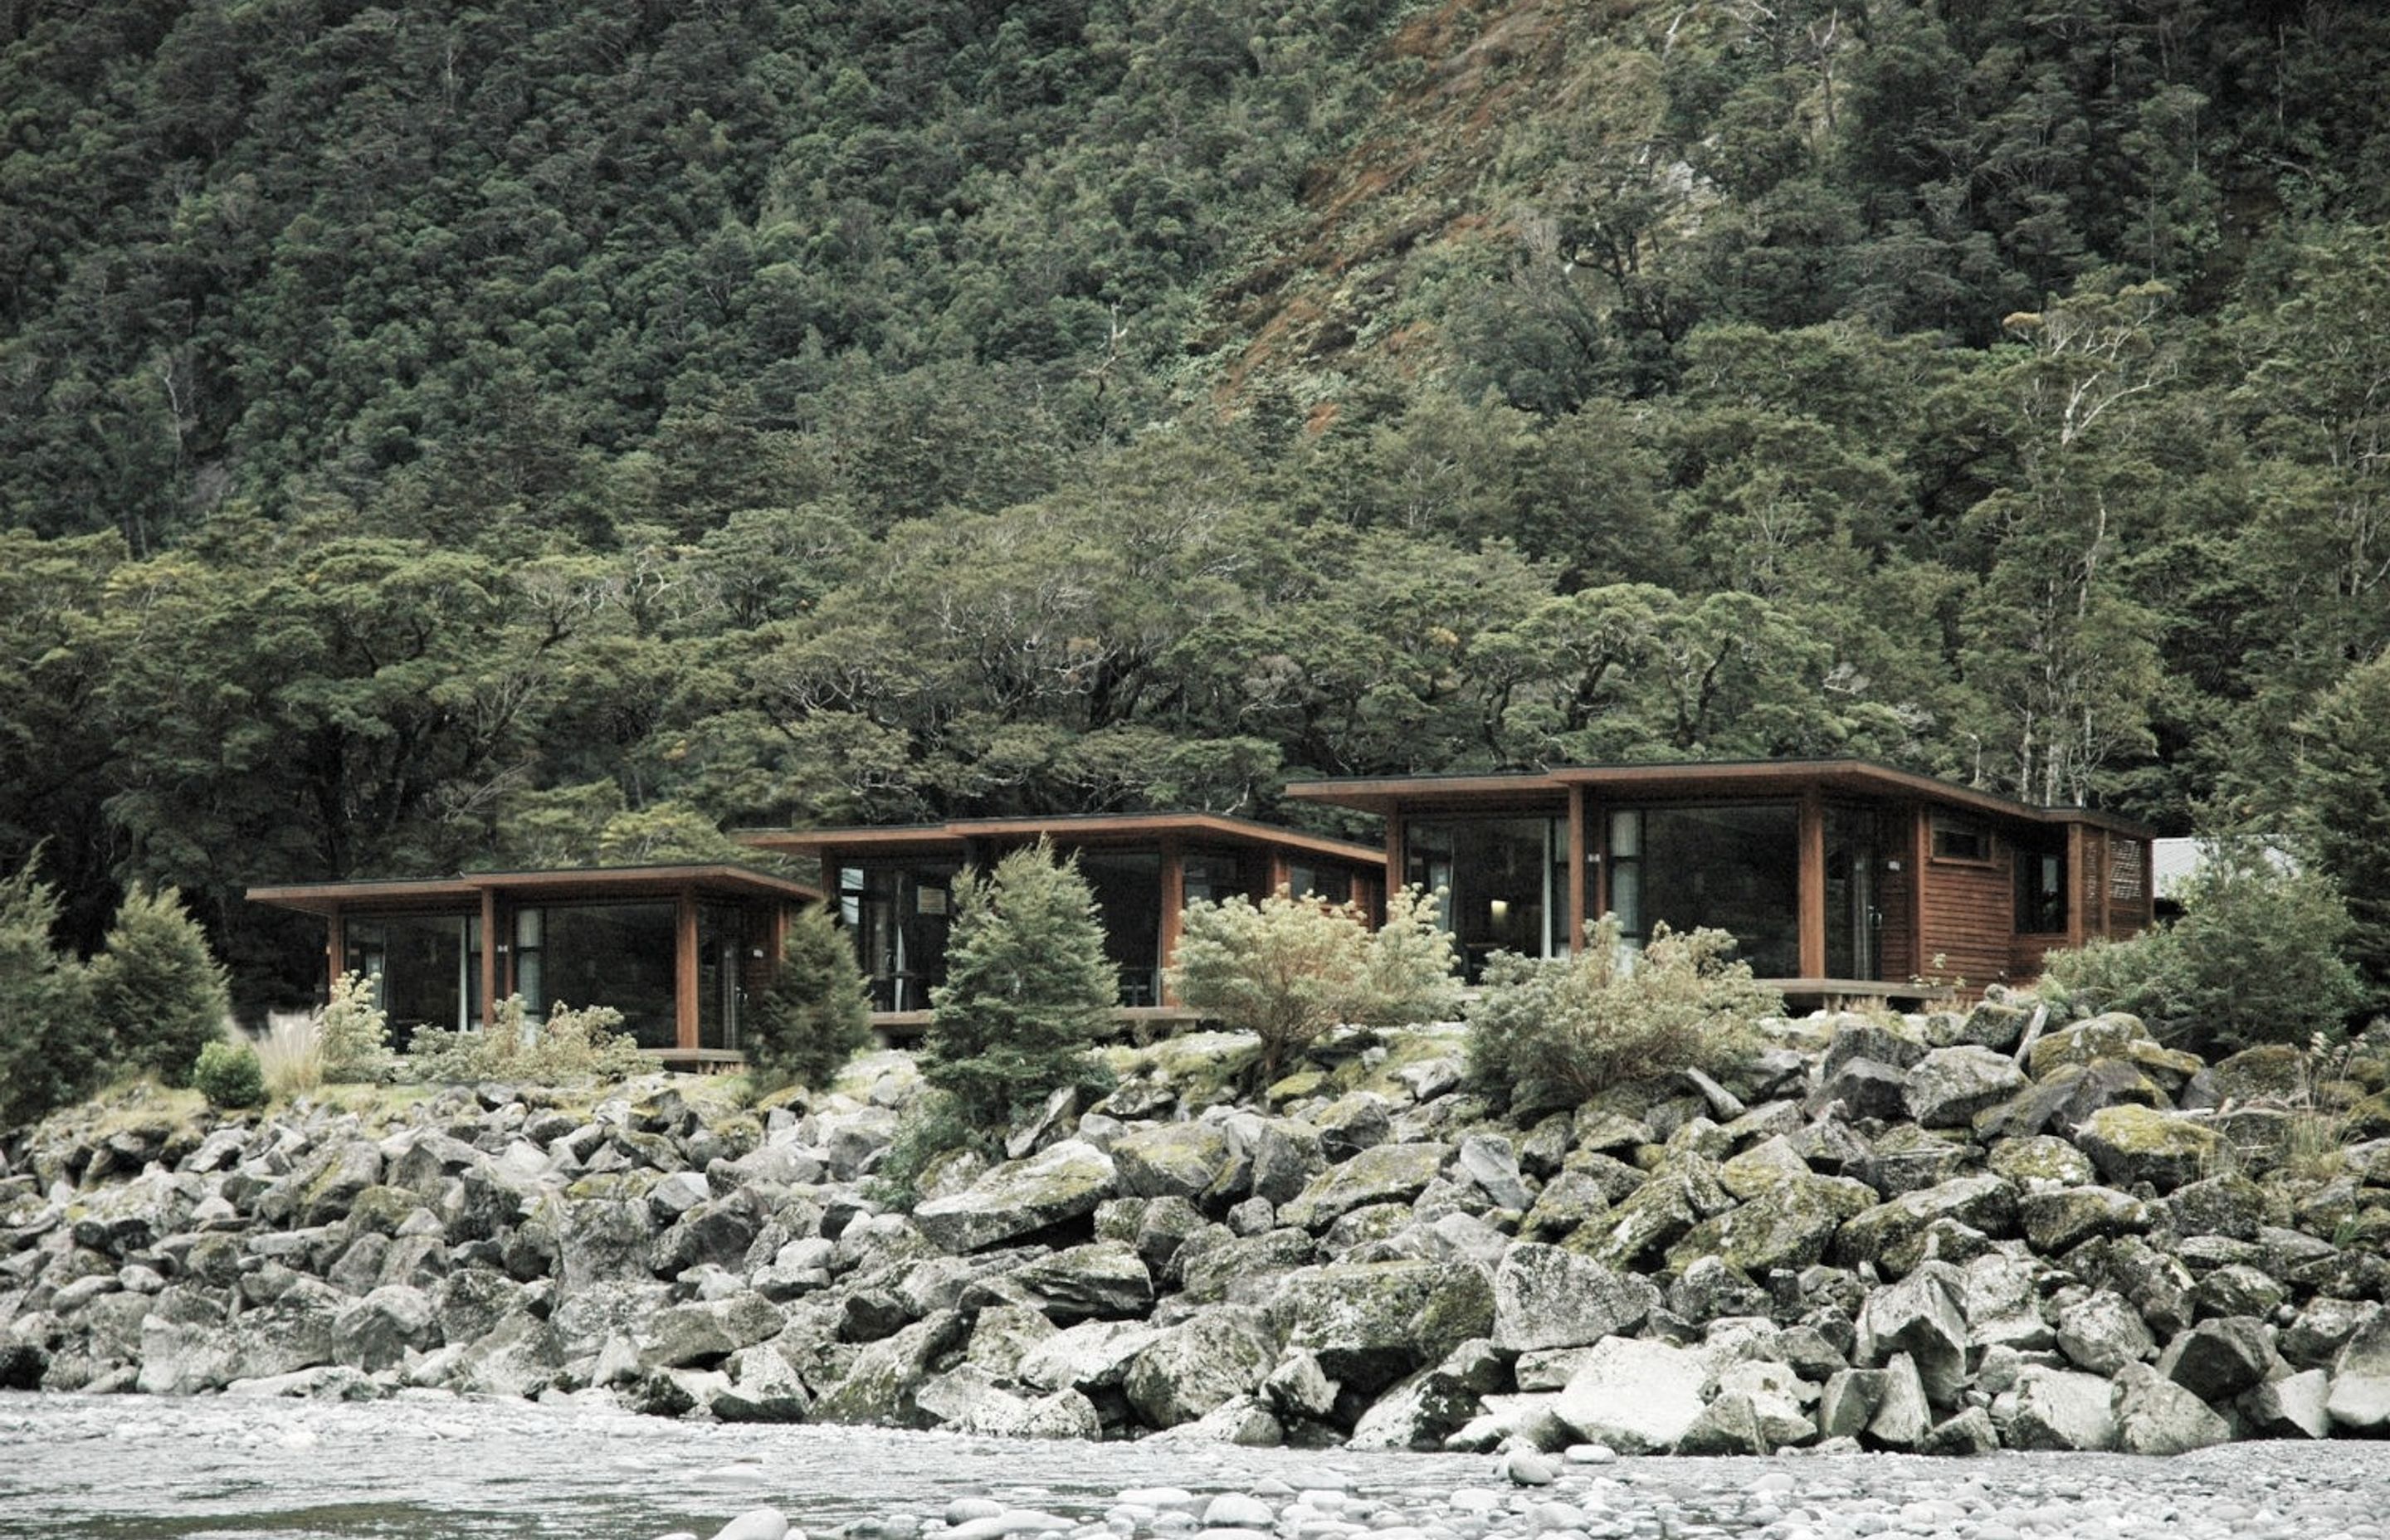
{"x":570,"y":1047}
{"x":229,"y":1075}
{"x":817,"y":1011}
{"x":1549,"y":1033}
{"x":353,"y":1033}
{"x":158,"y":992}
{"x":1288,"y":969}
{"x":2257,"y":957}
{"x":50,"y":1047}
{"x":932,"y":1129}
{"x":1028,"y":988}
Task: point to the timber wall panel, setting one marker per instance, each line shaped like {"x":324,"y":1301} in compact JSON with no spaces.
{"x":1897,"y":941}
{"x":1970,"y":918}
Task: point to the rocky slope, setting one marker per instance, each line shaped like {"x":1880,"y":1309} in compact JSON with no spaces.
{"x":1941,"y":1233}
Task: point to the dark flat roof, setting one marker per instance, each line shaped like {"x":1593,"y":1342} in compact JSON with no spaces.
{"x":1383,"y":793}
{"x":1065,"y":829}
{"x":585,"y":882}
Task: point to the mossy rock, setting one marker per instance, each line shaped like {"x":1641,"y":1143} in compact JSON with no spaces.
{"x":613,"y":1187}
{"x":1790,"y":1225}
{"x":2040,"y":1162}
{"x":1763,"y":1166}
{"x":2270,"y":1072}
{"x":381,"y":1210}
{"x":1371,"y":1323}
{"x":2140,"y":1144}
{"x":2369,"y":1119}
{"x":1298,"y":1087}
{"x":1383,"y":1174}
{"x":2108,"y":1036}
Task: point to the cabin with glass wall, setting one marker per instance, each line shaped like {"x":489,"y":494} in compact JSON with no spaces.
{"x":678,"y":950}
{"x":1837,"y":878}
{"x":894,"y":886}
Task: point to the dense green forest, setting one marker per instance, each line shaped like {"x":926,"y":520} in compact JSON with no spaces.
{"x":525,"y":434}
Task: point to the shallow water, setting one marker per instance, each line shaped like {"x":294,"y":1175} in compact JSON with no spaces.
{"x":139,"y":1466}
{"x":118,"y":1468}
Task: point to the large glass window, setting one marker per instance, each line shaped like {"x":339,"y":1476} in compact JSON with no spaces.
{"x":1330,"y":884}
{"x":1127,"y":885}
{"x":1505,"y":883}
{"x":1855,"y":841}
{"x":618,"y":955}
{"x":2041,"y":883}
{"x":1733,"y":867}
{"x":899,"y":915}
{"x":424,"y":969}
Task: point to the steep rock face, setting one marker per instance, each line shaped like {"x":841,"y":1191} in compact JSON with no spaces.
{"x":1717,"y":1266}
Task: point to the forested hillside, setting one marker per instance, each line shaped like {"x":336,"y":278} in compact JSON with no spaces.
{"x":442,"y":436}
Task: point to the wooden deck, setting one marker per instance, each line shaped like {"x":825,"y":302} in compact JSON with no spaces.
{"x":1139,"y":1024}
{"x":1842,"y":993}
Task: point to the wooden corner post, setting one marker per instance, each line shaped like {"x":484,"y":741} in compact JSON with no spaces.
{"x":685,"y":970}
{"x":1812,"y":887}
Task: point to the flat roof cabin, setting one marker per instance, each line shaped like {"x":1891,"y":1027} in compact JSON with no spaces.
{"x":892,"y":886}
{"x":677,"y":949}
{"x":1839,"y":877}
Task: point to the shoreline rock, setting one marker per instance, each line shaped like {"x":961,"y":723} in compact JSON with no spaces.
{"x":1884,"y":1230}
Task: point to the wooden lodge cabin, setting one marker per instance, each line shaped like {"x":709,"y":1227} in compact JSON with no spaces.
{"x":676,"y":949}
{"x":1840,"y":879}
{"x":894,"y":887}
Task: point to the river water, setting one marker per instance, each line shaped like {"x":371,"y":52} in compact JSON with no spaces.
{"x":110,"y":1467}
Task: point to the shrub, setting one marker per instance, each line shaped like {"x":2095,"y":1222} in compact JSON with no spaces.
{"x":290,"y":1055}
{"x":570,"y":1045}
{"x":158,"y":993}
{"x":932,"y":1128}
{"x":818,"y":1012}
{"x":2256,"y":958}
{"x":1547,"y":1034}
{"x":1028,"y":987}
{"x":1288,"y":968}
{"x":50,"y":1049}
{"x":229,"y":1075}
{"x":353,"y":1032}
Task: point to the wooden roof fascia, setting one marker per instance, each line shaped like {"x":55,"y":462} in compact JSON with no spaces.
{"x":1521,"y":788}
{"x":400,"y":893}
{"x":1089,"y":829}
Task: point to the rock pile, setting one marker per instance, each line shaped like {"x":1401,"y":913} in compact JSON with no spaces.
{"x":1945,"y":1234}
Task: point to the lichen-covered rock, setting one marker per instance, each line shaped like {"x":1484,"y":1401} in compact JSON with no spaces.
{"x":1192,"y":1368}
{"x":1865,"y":1088}
{"x":1217,"y":1264}
{"x":1093,"y":1355}
{"x":1371,"y":1323}
{"x":2227,"y":1204}
{"x":2359,"y":1401}
{"x":1104,"y":1277}
{"x":1984,"y":1202}
{"x":1353,"y":1123}
{"x":879,"y":1385}
{"x":2101,"y":1332}
{"x":1790,"y":1225}
{"x":1171,"y":1160}
{"x":2155,"y":1416}
{"x":1547,"y":1297}
{"x":2316,"y":1336}
{"x":1490,"y":1160}
{"x":1677,"y":1196}
{"x":2139,"y":1144}
{"x":1420,"y":1410}
{"x":2217,"y":1360}
{"x":1020,"y":1198}
{"x":764,"y":1388}
{"x":2040,"y":1161}
{"x":1381,"y":1174}
{"x":1948,"y":1086}
{"x":1919,"y":1315}
{"x":1890,"y":1041}
{"x":2056,"y":1220}
{"x":2057,"y":1409}
{"x":1287,"y":1153}
{"x":376,"y":1332}
{"x":2108,"y":1036}
{"x":1638,"y":1397}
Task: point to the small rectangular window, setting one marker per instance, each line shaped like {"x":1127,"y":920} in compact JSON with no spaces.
{"x":1960,"y":840}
